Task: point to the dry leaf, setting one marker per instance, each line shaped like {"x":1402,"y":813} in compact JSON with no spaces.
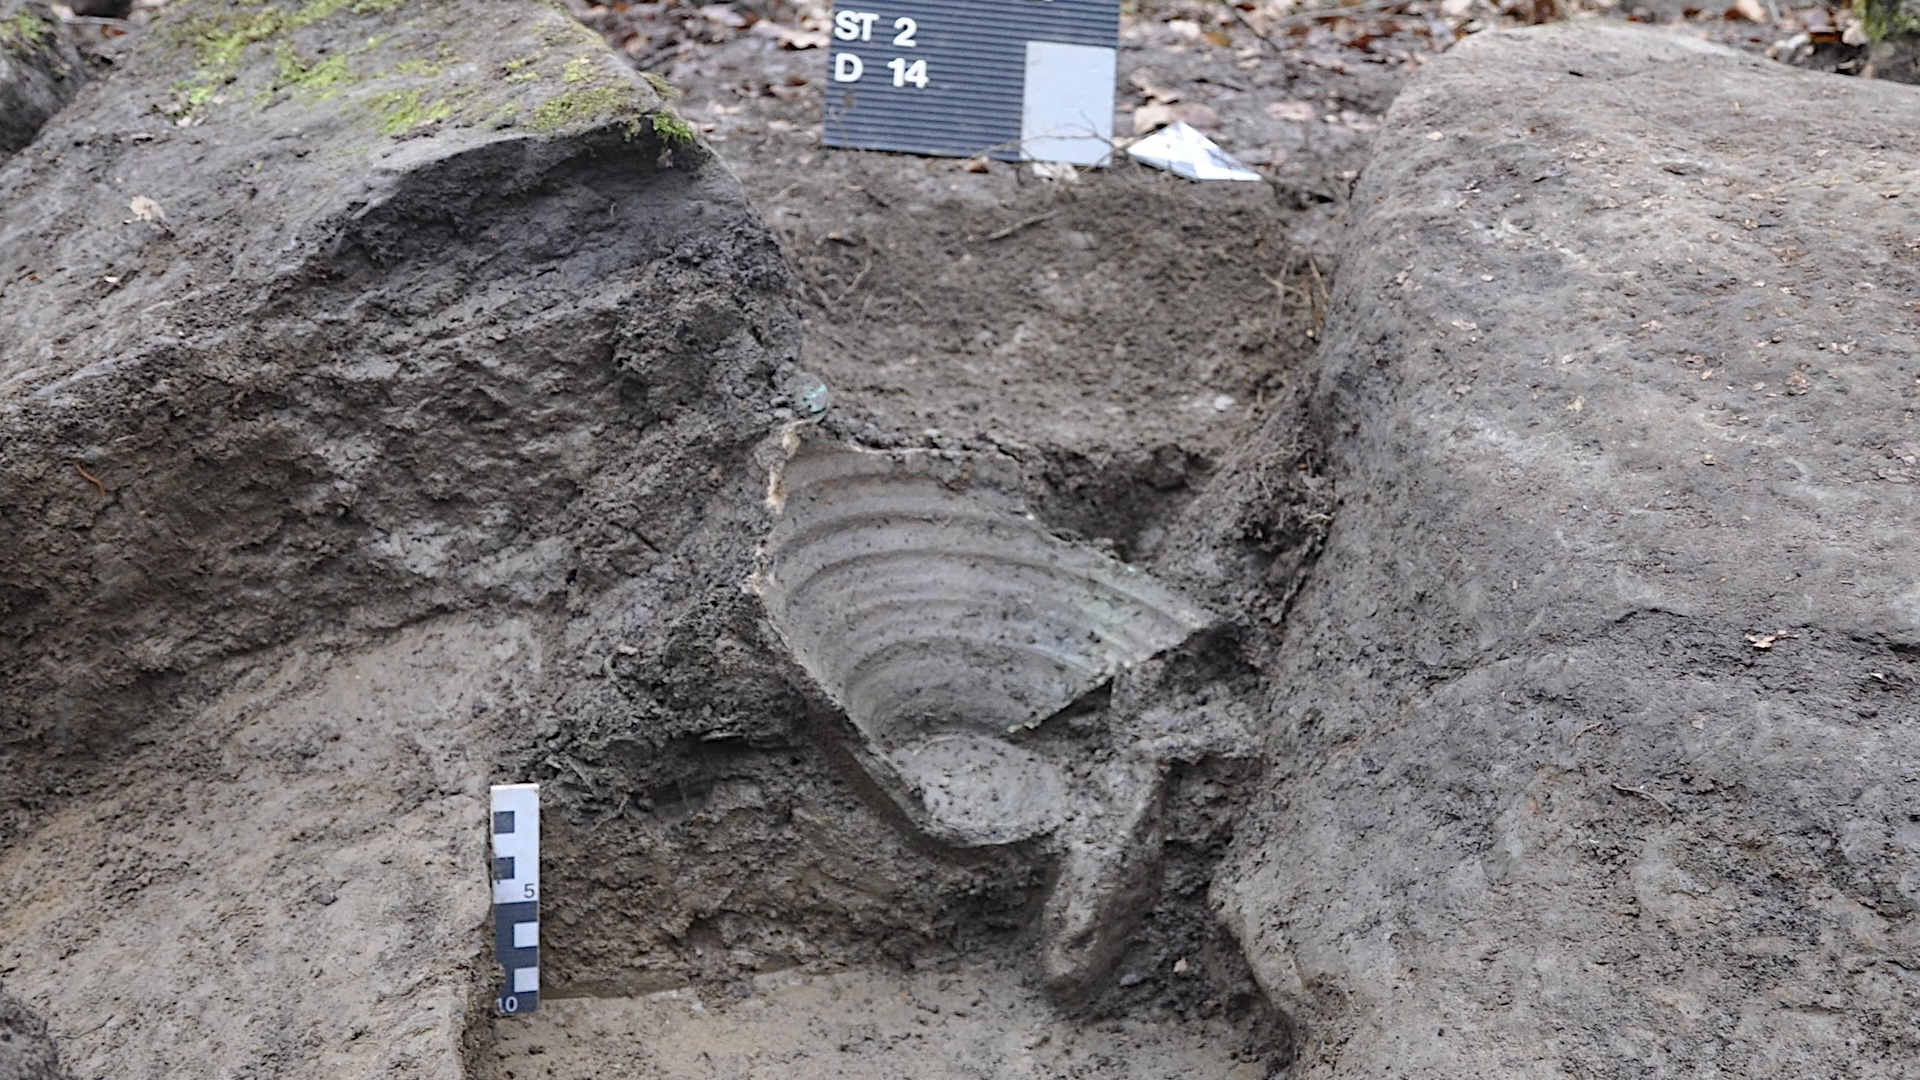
{"x":1156,"y":115}
{"x":1195,"y":115}
{"x":1151,"y":116}
{"x":1298,"y":112}
{"x":1059,"y":172}
{"x":1797,"y":383}
{"x":723,"y":15}
{"x":149,"y":211}
{"x":1144,"y":81}
{"x":976,"y":165}
{"x":1750,"y":10}
{"x":789,"y":37}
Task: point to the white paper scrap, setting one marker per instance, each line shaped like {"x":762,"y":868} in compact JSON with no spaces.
{"x":1183,"y":151}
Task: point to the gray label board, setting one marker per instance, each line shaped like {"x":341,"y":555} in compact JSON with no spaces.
{"x":1010,"y":78}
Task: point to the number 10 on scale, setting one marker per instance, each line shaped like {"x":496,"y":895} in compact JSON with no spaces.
{"x":858,"y":26}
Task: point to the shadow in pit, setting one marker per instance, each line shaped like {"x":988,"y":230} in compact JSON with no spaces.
{"x":1004,"y":747}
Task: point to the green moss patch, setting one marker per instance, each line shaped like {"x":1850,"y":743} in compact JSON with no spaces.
{"x":1889,"y":20}
{"x":23,"y":31}
{"x":409,"y":77}
{"x":581,"y":108}
{"x":671,"y":129}
{"x":401,"y":111}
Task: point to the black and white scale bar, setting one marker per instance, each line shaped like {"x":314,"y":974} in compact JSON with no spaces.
{"x":1013,"y":79}
{"x":516,"y":895}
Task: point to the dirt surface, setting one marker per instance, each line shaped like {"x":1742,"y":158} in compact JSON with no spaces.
{"x":1120,"y":332}
{"x":862,"y":1025}
{"x":1548,"y":713}
{"x":283,"y":885}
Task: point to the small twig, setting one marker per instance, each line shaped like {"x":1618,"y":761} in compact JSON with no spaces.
{"x":1256,"y":31}
{"x":1308,"y":18}
{"x":1319,"y":299}
{"x":819,"y":293}
{"x":1645,"y":794}
{"x":1575,"y":741}
{"x":1018,"y":225}
{"x":857,"y":279}
{"x":91,"y":477}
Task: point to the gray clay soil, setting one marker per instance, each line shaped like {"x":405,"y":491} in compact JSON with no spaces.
{"x":1545,"y":478}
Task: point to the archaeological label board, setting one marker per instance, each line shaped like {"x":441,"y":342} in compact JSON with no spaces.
{"x":1011,"y":79}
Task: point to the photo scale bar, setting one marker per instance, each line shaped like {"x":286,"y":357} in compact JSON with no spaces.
{"x":516,"y":896}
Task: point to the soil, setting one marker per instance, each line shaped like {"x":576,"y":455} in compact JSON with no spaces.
{"x":861,"y":1024}
{"x":427,"y":446}
{"x":1119,"y":332}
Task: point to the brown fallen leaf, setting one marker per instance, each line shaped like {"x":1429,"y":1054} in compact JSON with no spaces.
{"x":1156,"y":115}
{"x":1751,"y":10}
{"x":149,"y":211}
{"x":1298,"y":112}
{"x":1797,"y":383}
{"x":1762,"y":642}
{"x":1148,"y":84}
{"x":722,"y":15}
{"x":1196,"y":115}
{"x":975,"y":165}
{"x":1151,"y":117}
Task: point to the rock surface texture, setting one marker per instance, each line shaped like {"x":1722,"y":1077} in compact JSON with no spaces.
{"x":343,"y":349}
{"x":395,"y":398}
{"x":1595,"y":732}
{"x":26,"y":1053}
{"x":40,"y":71}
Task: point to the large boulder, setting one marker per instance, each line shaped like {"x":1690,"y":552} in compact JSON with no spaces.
{"x":1595,"y":728}
{"x":40,"y":71}
{"x":358,"y":363}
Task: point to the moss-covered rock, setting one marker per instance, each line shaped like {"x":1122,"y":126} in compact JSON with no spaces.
{"x":397,"y":69}
{"x":1890,"y":20}
{"x":40,"y":70}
